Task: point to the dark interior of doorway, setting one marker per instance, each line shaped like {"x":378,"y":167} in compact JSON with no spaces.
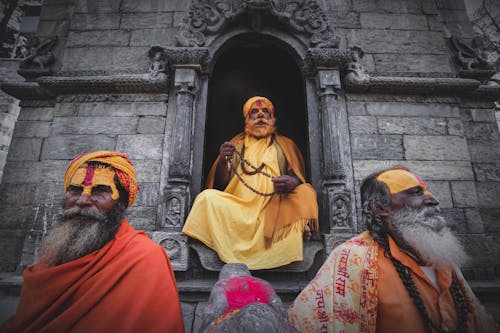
{"x":254,"y":66}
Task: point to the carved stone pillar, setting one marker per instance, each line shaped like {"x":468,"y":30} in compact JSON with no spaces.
{"x":186,"y":64}
{"x":337,"y":190}
{"x":184,"y":90}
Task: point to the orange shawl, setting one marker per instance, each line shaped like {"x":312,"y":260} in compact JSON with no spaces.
{"x":126,"y":286}
{"x":284,"y":210}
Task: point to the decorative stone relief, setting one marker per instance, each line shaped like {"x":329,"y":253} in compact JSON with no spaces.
{"x":471,"y":59}
{"x":175,"y":244}
{"x":209,"y":17}
{"x":158,"y":64}
{"x":173,"y":211}
{"x":340,"y":207}
{"x":174,"y":208}
{"x":40,"y":57}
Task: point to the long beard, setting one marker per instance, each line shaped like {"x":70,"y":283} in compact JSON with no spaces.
{"x":263,"y":131}
{"x":425,"y":231}
{"x":79,"y":232}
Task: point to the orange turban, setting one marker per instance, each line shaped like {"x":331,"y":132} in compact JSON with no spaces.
{"x":257,"y":99}
{"x":120,"y":162}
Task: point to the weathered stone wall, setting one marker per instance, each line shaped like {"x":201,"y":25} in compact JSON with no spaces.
{"x":453,"y":146}
{"x":9,"y":109}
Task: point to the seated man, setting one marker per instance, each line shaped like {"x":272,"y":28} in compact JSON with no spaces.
{"x":96,"y":273}
{"x":399,"y":276}
{"x":266,"y":204}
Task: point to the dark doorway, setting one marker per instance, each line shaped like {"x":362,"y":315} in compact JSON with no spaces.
{"x":254,"y":65}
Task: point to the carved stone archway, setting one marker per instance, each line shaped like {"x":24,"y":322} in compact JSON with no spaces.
{"x":302,"y":27}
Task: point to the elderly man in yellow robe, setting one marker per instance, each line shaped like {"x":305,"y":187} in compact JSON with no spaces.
{"x":266,"y":205}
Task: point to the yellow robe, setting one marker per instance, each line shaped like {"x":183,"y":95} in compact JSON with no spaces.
{"x":232,"y":222}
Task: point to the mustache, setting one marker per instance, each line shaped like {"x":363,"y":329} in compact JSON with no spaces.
{"x":83,"y":214}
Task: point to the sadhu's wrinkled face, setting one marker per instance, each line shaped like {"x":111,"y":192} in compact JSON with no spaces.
{"x":260,"y":120}
{"x":94,"y":188}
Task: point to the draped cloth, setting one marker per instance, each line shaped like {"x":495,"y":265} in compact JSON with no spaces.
{"x":126,"y":286}
{"x":343,"y":296}
{"x":242,"y":226}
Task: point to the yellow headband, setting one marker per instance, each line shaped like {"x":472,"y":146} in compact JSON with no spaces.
{"x":257,"y":99}
{"x":398,"y":180}
{"x":90,"y":176}
{"x":121,"y":163}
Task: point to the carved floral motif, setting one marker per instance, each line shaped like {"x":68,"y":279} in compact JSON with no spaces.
{"x":208,"y":17}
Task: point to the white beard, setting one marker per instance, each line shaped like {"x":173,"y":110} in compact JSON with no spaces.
{"x":425,"y":231}
{"x":78,"y":233}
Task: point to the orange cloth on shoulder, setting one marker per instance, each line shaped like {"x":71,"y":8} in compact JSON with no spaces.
{"x":119,"y":161}
{"x":127,"y":286}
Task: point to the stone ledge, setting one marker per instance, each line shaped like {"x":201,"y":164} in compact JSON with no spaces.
{"x":26,"y":90}
{"x":412,"y":85}
{"x":210,"y":260}
{"x":102,"y":84}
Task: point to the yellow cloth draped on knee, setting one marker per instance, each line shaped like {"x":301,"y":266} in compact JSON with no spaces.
{"x":234,"y":222}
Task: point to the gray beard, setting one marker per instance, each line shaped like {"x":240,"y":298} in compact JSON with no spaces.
{"x":425,"y":231}
{"x":79,"y":232}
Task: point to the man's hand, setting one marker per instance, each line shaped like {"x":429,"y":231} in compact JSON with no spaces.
{"x":285,"y":183}
{"x":226,"y":151}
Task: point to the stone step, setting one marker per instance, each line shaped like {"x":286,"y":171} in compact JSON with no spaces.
{"x":211,"y":262}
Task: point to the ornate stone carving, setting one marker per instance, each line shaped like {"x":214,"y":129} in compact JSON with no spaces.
{"x":354,"y":67}
{"x":324,"y":58}
{"x":470,"y":58}
{"x":208,"y":17}
{"x":186,"y":55}
{"x":174,"y":208}
{"x":158,"y":64}
{"x":40,"y":57}
{"x":111,"y":84}
{"x":129,"y":97}
{"x":340,"y":207}
{"x":175,"y":244}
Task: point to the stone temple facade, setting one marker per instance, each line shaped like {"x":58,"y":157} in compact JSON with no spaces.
{"x":359,"y":84}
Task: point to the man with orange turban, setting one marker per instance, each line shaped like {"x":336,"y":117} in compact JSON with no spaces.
{"x":96,"y":272}
{"x":266,"y":205}
{"x":401,"y":275}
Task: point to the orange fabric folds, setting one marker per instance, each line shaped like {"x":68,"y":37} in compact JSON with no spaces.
{"x":126,"y":286}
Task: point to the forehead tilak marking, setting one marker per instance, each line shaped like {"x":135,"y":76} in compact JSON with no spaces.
{"x":258,"y":103}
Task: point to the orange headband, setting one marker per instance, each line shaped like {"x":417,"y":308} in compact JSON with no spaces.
{"x":257,"y":99}
{"x":398,"y":180}
{"x":120,"y":162}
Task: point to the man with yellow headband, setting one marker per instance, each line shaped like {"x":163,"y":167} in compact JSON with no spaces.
{"x":258,"y":204}
{"x":401,"y":275}
{"x":96,"y":272}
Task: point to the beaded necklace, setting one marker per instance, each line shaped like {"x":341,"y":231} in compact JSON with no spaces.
{"x":256,"y":170}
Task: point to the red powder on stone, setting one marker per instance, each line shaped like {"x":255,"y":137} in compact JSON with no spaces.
{"x":244,"y":290}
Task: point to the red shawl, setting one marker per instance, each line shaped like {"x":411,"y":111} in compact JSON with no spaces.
{"x":126,"y":286}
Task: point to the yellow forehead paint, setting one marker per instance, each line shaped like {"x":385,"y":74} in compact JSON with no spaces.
{"x":398,"y":180}
{"x":91,"y":176}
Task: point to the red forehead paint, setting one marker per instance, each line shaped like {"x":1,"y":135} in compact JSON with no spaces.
{"x":259,"y":103}
{"x":89,"y":176}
